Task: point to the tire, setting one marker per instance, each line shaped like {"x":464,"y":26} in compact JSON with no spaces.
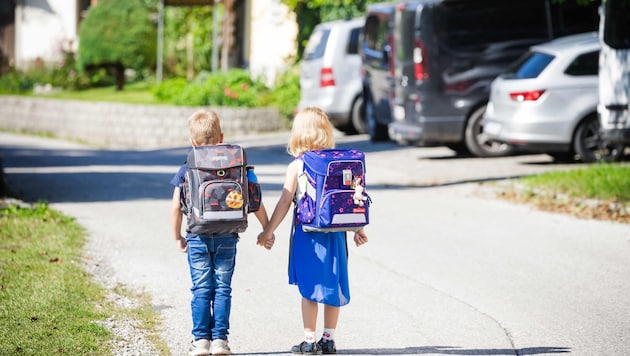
{"x":357,"y":116}
{"x":478,"y":143}
{"x":589,"y":145}
{"x":377,"y":131}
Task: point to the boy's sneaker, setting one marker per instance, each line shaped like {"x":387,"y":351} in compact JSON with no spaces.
{"x":306,"y":348}
{"x":220,"y":347}
{"x":327,"y":346}
{"x":199,"y":347}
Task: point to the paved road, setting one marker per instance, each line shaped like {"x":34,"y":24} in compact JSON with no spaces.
{"x":449,"y":270}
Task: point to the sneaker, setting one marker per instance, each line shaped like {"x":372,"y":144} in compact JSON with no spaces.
{"x":220,"y":347}
{"x":199,"y":347}
{"x":306,"y":348}
{"x":327,"y":346}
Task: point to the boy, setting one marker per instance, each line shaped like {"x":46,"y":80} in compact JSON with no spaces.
{"x":211,"y":258}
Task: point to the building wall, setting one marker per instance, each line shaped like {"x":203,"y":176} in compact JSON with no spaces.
{"x":43,"y":30}
{"x":273,"y":32}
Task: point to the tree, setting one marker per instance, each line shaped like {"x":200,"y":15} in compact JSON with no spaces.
{"x":117,"y":35}
{"x":310,"y":13}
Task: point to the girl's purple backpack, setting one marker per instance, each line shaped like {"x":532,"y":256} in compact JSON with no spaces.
{"x":331,"y":192}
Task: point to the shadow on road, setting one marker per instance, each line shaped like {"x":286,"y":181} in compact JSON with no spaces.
{"x":443,"y":350}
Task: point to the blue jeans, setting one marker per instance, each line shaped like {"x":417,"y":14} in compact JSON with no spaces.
{"x":211,"y":261}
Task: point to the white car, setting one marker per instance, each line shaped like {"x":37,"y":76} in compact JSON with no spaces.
{"x":548,"y":102}
{"x":330,"y":75}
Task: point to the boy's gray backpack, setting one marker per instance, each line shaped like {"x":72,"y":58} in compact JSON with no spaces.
{"x":216,"y":192}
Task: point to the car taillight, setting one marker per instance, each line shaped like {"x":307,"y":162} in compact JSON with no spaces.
{"x":327,"y":79}
{"x":526,"y":95}
{"x":420,"y":61}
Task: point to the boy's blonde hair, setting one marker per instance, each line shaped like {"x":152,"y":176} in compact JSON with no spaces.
{"x":204,"y":128}
{"x":311,"y":130}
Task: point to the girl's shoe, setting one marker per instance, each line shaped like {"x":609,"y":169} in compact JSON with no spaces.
{"x":327,"y":346}
{"x":306,"y":348}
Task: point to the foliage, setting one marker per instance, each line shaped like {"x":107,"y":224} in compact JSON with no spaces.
{"x":47,"y":302}
{"x":286,"y":92}
{"x":310,"y":13}
{"x":233,"y":88}
{"x":15,"y":82}
{"x":182,"y":23}
{"x":117,"y":34}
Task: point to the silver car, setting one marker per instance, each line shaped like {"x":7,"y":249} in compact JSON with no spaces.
{"x":330,"y":75}
{"x":548,"y":102}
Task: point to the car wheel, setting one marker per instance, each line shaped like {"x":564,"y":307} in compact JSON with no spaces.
{"x":377,"y":131}
{"x":358,"y":115}
{"x":478,"y":143}
{"x":589,"y":145}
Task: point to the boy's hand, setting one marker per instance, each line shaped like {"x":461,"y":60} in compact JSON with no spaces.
{"x":181,"y":243}
{"x":266,"y":240}
{"x":360,"y":237}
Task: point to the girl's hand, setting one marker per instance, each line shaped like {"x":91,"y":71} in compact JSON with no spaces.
{"x":360,"y":237}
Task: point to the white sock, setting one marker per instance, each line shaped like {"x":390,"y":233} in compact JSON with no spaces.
{"x":328,"y":334}
{"x":309,"y":336}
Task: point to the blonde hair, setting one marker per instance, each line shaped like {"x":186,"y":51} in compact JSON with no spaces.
{"x":311,"y":130}
{"x":204,"y":128}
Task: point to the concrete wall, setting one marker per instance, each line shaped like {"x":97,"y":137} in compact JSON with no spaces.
{"x":125,"y":126}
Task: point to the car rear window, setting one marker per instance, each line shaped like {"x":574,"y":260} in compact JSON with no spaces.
{"x":530,"y":65}
{"x":316,"y":46}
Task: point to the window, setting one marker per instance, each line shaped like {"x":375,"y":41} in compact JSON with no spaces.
{"x":531,"y":65}
{"x":316,"y":46}
{"x":616,"y":24}
{"x":584,"y":64}
{"x":353,"y":42}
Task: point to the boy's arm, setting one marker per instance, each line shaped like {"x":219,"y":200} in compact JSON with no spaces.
{"x":261,"y":215}
{"x":176,"y":220}
{"x":263,"y":218}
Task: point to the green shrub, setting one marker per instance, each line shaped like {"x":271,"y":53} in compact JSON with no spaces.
{"x":286,"y":92}
{"x":234,"y":88}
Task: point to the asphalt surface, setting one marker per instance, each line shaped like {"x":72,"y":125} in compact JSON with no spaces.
{"x":449,"y":269}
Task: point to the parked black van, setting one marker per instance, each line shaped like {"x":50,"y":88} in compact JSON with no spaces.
{"x":440,"y":58}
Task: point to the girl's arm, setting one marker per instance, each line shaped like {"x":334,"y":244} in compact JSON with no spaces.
{"x":284,"y":203}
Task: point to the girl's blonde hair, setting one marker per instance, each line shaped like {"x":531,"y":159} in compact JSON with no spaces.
{"x":311,"y":130}
{"x":204,"y":128}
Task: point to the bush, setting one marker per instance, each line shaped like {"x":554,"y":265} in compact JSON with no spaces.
{"x":286,"y":92}
{"x":234,"y":88}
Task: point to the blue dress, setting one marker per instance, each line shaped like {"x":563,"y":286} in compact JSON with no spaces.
{"x":318,"y":265}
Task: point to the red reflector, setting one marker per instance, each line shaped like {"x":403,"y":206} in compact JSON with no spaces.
{"x":327,"y":79}
{"x":527,"y":95}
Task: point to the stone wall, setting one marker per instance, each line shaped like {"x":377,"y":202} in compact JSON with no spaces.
{"x":125,"y":126}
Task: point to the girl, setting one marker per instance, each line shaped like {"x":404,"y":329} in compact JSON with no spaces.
{"x":318,"y":261}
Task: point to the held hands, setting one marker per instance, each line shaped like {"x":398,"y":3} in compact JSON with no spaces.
{"x":266,"y":240}
{"x":360,"y":237}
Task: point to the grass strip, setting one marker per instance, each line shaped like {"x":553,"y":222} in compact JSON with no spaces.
{"x":599,"y":191}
